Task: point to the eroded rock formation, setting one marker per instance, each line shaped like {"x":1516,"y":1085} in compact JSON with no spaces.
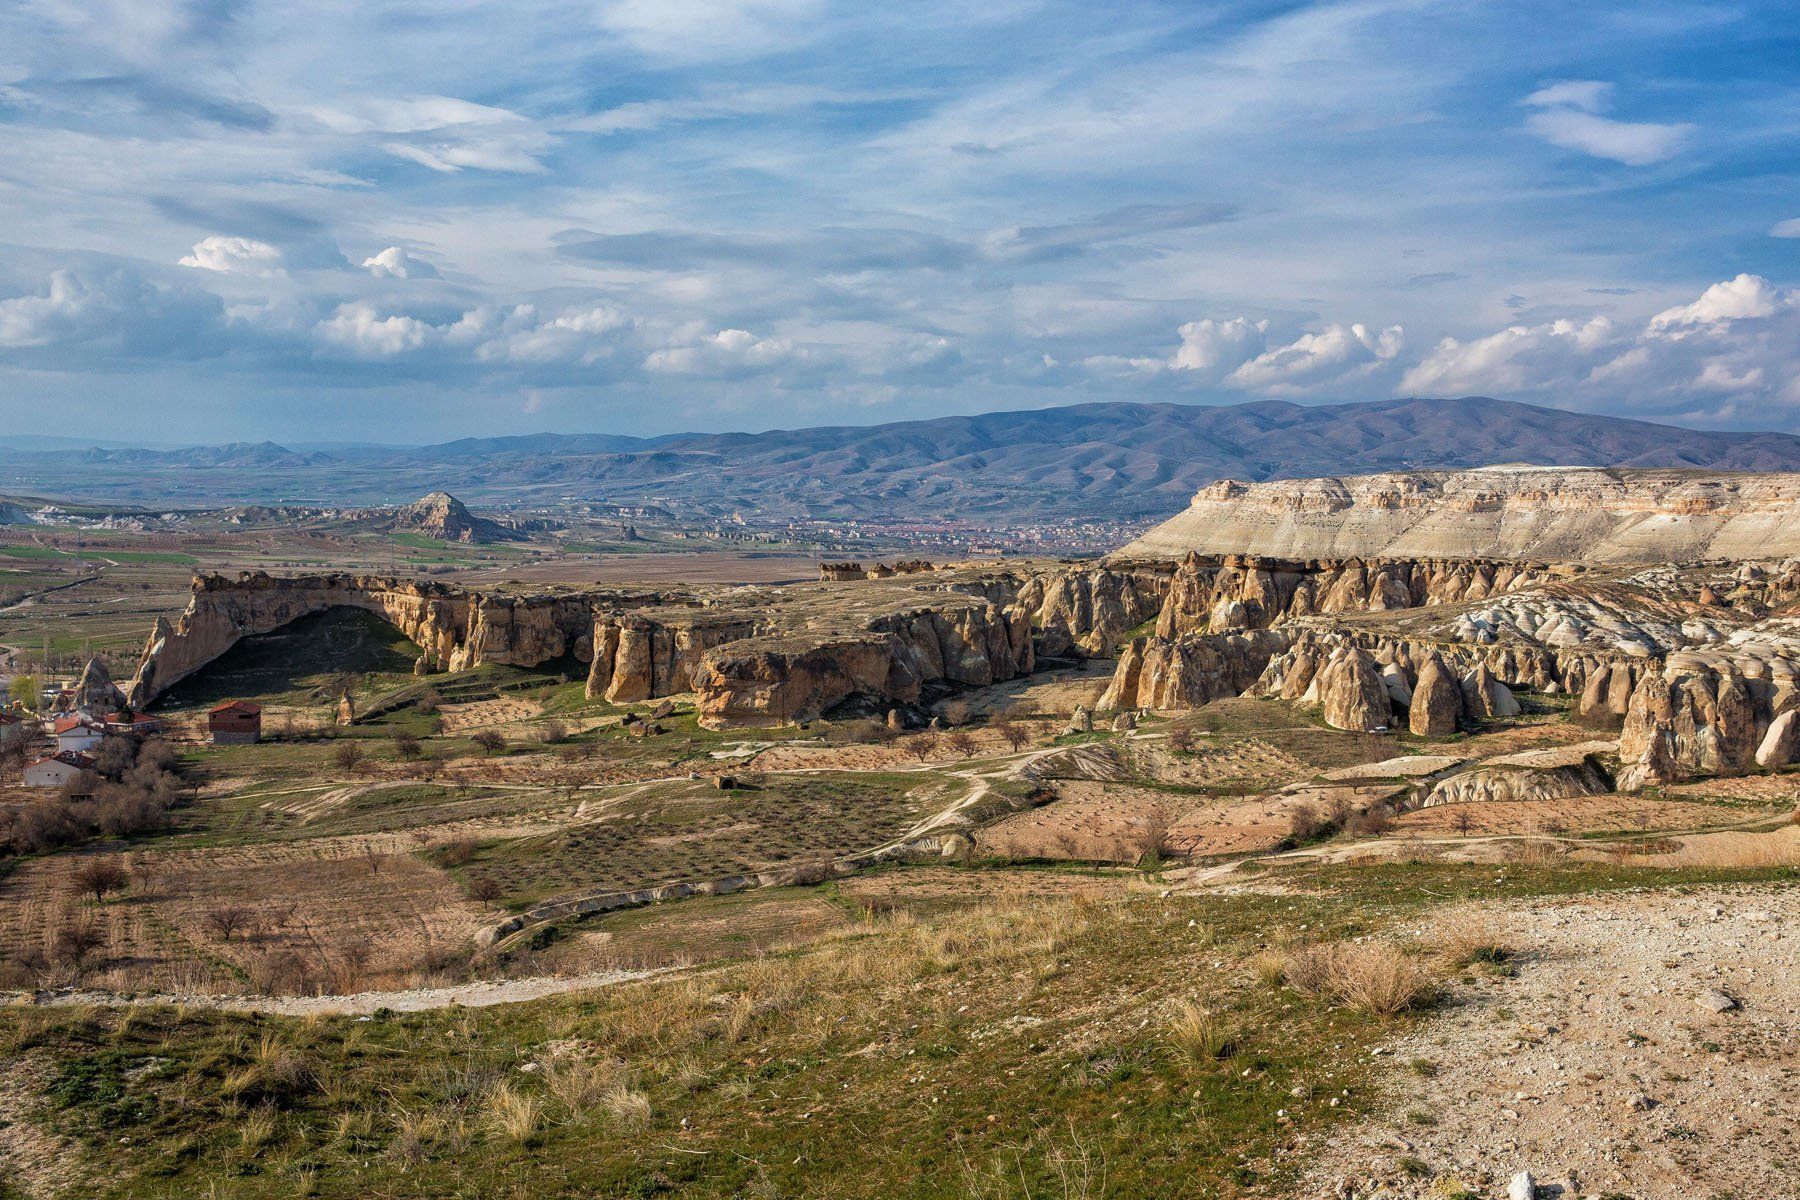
{"x":1567,"y":514}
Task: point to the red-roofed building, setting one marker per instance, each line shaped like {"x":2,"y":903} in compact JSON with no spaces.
{"x":76,"y":734}
{"x":133,"y":724}
{"x":235,"y":723}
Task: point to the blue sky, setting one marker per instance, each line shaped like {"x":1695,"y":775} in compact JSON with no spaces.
{"x":411,"y":221}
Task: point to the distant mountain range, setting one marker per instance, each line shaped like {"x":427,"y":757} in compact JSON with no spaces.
{"x":1124,"y":462}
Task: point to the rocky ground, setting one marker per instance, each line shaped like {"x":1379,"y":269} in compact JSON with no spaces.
{"x":1602,"y":1066}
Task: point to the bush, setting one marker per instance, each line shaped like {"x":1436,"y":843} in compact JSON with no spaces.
{"x":347,"y":755}
{"x":489,"y":741}
{"x":1198,"y":1033}
{"x":1376,"y":976}
{"x":406,"y":745}
{"x":98,"y":876}
{"x":555,"y":732}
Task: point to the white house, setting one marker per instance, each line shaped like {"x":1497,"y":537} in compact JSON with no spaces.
{"x":76,"y":735}
{"x":57,"y":770}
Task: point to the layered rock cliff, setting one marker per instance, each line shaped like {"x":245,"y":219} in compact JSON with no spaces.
{"x":453,"y":629}
{"x":1545,"y":514}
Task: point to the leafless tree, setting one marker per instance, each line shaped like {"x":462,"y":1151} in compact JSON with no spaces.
{"x":98,"y":876}
{"x":960,"y":741}
{"x":226,"y":919}
{"x":1181,"y":738}
{"x":347,"y":755}
{"x":406,"y":745}
{"x":921,"y":745}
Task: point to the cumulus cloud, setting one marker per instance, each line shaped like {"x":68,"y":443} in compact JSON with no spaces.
{"x":1235,"y":353}
{"x":1324,"y":357}
{"x":396,"y":263}
{"x":114,"y":311}
{"x":727,"y":354}
{"x":234,"y":256}
{"x":1217,"y":348}
{"x":1517,"y":358}
{"x":1739,"y":339}
{"x":362,"y":331}
{"x":1568,"y":114}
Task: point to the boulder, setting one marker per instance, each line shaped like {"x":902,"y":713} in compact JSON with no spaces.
{"x":1777,"y":747}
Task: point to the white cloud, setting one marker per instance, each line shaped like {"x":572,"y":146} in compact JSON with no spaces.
{"x":1568,"y":115}
{"x":1786,"y":229}
{"x":1734,"y":300}
{"x":701,"y":30}
{"x":396,"y":263}
{"x":1216,"y":348}
{"x":116,"y":311}
{"x":1318,"y":358}
{"x":1234,"y":353}
{"x":1518,"y":358}
{"x":1740,"y":339}
{"x":234,"y":256}
{"x":727,"y":354}
{"x":361,"y":330}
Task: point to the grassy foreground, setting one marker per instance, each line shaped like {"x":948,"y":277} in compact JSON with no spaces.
{"x":1131,"y":1046}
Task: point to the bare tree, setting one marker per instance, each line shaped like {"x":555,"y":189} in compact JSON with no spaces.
{"x":406,"y":745}
{"x":146,"y":869}
{"x":76,"y":940}
{"x":921,"y":745}
{"x":554,"y":732}
{"x":348,"y":755}
{"x":225,"y":920}
{"x":485,"y":888}
{"x":960,"y":741}
{"x":1013,"y":733}
{"x":97,"y":877}
{"x":1181,"y":739}
{"x":489,"y":741}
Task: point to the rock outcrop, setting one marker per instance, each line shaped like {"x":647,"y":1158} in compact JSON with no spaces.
{"x":1556,"y":774}
{"x":1555,"y":514}
{"x":1436,"y":707}
{"x":442,"y":516}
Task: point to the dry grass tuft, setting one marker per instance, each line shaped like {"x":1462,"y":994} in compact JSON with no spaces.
{"x":1377,"y":976}
{"x":1466,"y":937}
{"x":1198,"y":1032}
{"x":512,"y":1114}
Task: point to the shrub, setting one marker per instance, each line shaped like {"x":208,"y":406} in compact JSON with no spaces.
{"x":485,"y":888}
{"x":960,"y":742}
{"x":555,"y":732}
{"x":347,"y":755}
{"x":1376,"y":976}
{"x":406,"y":745}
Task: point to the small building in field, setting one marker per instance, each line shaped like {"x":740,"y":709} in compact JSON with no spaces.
{"x":59,"y":769}
{"x":76,"y":734}
{"x":235,"y":723}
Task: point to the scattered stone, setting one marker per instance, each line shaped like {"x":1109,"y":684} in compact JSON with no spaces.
{"x":1716,"y":1000}
{"x":1522,"y":1187}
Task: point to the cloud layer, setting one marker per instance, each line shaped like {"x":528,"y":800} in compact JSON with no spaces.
{"x":643,"y":216}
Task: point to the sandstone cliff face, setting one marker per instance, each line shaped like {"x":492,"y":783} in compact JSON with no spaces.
{"x":641,"y":656}
{"x":783,"y":679}
{"x":454,"y":630}
{"x":1090,"y":611}
{"x":1555,"y":514}
{"x":1157,"y":672}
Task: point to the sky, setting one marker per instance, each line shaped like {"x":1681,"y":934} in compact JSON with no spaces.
{"x":402,"y":222}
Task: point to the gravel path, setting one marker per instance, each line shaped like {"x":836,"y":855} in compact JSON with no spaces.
{"x":466,"y":995}
{"x":1599,"y":1067}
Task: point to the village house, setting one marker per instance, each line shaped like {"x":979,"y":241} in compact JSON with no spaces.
{"x":130,"y":724}
{"x":58,"y":770}
{"x":235,"y":723}
{"x":76,"y":734}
